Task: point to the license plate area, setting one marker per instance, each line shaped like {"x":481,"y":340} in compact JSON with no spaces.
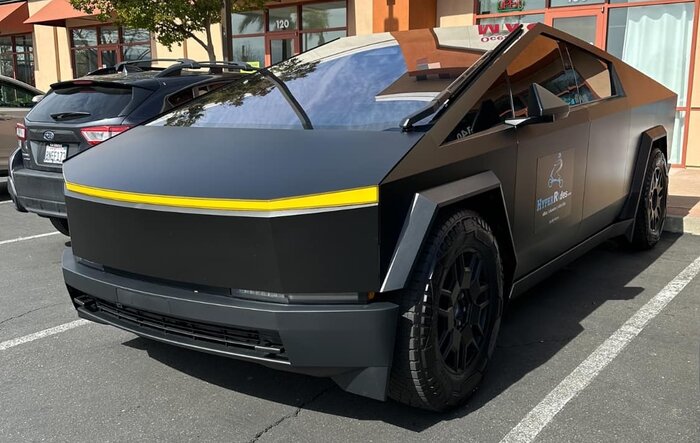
{"x":55,"y":153}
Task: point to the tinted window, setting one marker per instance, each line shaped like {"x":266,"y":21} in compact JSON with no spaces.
{"x":592,"y":75}
{"x":100,"y":102}
{"x":541,"y":62}
{"x":492,"y":109}
{"x":367,"y":88}
{"x":12,"y":96}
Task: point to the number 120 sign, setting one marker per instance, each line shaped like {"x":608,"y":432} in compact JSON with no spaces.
{"x":282,"y":23}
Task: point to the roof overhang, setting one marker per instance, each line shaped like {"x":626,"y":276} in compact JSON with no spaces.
{"x":55,"y":13}
{"x":12,"y":17}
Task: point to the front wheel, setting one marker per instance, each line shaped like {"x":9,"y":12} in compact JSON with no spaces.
{"x":61,"y":225}
{"x":651,"y":212}
{"x":450,"y":315}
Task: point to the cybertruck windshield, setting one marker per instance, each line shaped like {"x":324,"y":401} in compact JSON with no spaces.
{"x":356,"y":83}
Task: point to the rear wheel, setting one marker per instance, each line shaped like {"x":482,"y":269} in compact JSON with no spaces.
{"x":61,"y":225}
{"x":450,"y":315}
{"x":651,"y":212}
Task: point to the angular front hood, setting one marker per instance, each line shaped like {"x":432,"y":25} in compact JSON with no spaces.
{"x":237,"y":164}
{"x":278,"y":211}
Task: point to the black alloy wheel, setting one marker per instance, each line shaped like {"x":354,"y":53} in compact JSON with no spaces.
{"x":450,"y":314}
{"x":651,"y":212}
{"x":463,"y":311}
{"x":657,"y":196}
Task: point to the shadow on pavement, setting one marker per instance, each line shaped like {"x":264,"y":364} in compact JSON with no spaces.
{"x":535,"y":328}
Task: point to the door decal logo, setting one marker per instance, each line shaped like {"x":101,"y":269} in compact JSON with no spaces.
{"x":555,"y":176}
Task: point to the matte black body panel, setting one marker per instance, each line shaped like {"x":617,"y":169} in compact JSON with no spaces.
{"x":420,"y":218}
{"x":326,"y":340}
{"x":335,"y":251}
{"x":239,"y":163}
{"x":646,"y":143}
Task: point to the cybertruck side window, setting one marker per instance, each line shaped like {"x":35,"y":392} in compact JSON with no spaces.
{"x":592,"y":75}
{"x":542,"y":62}
{"x":492,"y":109}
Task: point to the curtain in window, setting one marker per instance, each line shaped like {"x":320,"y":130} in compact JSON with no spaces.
{"x":657,"y":41}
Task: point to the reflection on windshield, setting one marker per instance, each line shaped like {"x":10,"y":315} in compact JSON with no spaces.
{"x":364,"y":87}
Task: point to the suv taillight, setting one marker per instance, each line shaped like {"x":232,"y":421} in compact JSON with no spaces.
{"x":21,"y":132}
{"x":95,"y":135}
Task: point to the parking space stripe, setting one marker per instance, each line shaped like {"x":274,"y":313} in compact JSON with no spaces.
{"x":533,"y":423}
{"x":41,"y":334}
{"x":6,"y":201}
{"x":31,"y":237}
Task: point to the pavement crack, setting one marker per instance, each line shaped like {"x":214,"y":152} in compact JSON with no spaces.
{"x":28,"y":312}
{"x":291,"y":415}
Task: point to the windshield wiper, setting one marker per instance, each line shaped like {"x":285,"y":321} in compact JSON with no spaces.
{"x":284,"y":90}
{"x":460,"y":82}
{"x":69,"y":115}
{"x":287,"y":94}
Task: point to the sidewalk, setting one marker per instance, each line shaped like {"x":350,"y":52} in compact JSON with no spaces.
{"x":684,"y":201}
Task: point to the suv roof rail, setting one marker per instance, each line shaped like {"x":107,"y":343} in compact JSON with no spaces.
{"x":215,"y":67}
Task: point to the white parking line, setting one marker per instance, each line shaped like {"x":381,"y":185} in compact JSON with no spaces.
{"x":6,"y":201}
{"x":31,"y":237}
{"x":533,"y":423}
{"x":41,"y":334}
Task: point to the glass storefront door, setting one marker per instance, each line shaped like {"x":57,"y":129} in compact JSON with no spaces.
{"x":586,"y":24}
{"x":108,"y":57}
{"x":281,"y":48}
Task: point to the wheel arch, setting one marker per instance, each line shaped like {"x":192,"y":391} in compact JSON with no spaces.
{"x":482,"y":193}
{"x":655,"y":137}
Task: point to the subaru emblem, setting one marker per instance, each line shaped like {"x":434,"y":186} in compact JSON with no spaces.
{"x":49,"y":135}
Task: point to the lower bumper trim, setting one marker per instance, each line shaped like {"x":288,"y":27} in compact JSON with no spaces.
{"x":181,"y":341}
{"x":351,"y":343}
{"x":40,"y":192}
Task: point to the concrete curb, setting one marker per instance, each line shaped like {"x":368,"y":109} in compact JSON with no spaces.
{"x":682,"y":225}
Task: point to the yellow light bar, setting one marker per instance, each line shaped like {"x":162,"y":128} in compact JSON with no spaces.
{"x":347,"y":197}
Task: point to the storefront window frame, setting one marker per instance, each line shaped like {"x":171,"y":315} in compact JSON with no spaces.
{"x":14,"y":55}
{"x":120,"y":45}
{"x":604,"y":9}
{"x":297,"y":34}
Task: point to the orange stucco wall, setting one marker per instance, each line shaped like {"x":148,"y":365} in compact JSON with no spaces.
{"x":401,"y":15}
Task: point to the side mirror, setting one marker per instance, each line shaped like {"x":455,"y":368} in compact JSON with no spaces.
{"x":37,"y":98}
{"x":542,"y":107}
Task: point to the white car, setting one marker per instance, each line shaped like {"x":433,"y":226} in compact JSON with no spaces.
{"x":16,"y":99}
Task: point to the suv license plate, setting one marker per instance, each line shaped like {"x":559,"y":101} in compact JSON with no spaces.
{"x":55,"y":153}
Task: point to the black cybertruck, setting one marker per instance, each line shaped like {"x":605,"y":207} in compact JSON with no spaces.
{"x":364,"y":210}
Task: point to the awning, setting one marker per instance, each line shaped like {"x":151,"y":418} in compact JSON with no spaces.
{"x":12,"y":17}
{"x":55,"y":14}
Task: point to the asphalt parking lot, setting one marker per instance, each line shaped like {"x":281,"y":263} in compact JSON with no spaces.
{"x":87,"y":382}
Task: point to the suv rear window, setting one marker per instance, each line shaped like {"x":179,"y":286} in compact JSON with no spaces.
{"x":99,"y":101}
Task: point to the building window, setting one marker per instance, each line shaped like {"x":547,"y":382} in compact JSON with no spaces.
{"x":657,"y":41}
{"x":17,"y":57}
{"x":96,"y":47}
{"x":277,"y":33}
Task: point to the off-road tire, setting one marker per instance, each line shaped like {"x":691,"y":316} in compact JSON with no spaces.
{"x":61,"y":225}
{"x":651,"y":211}
{"x":423,"y":374}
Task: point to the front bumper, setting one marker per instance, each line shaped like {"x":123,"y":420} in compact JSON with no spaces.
{"x":352,"y":343}
{"x":40,"y":192}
